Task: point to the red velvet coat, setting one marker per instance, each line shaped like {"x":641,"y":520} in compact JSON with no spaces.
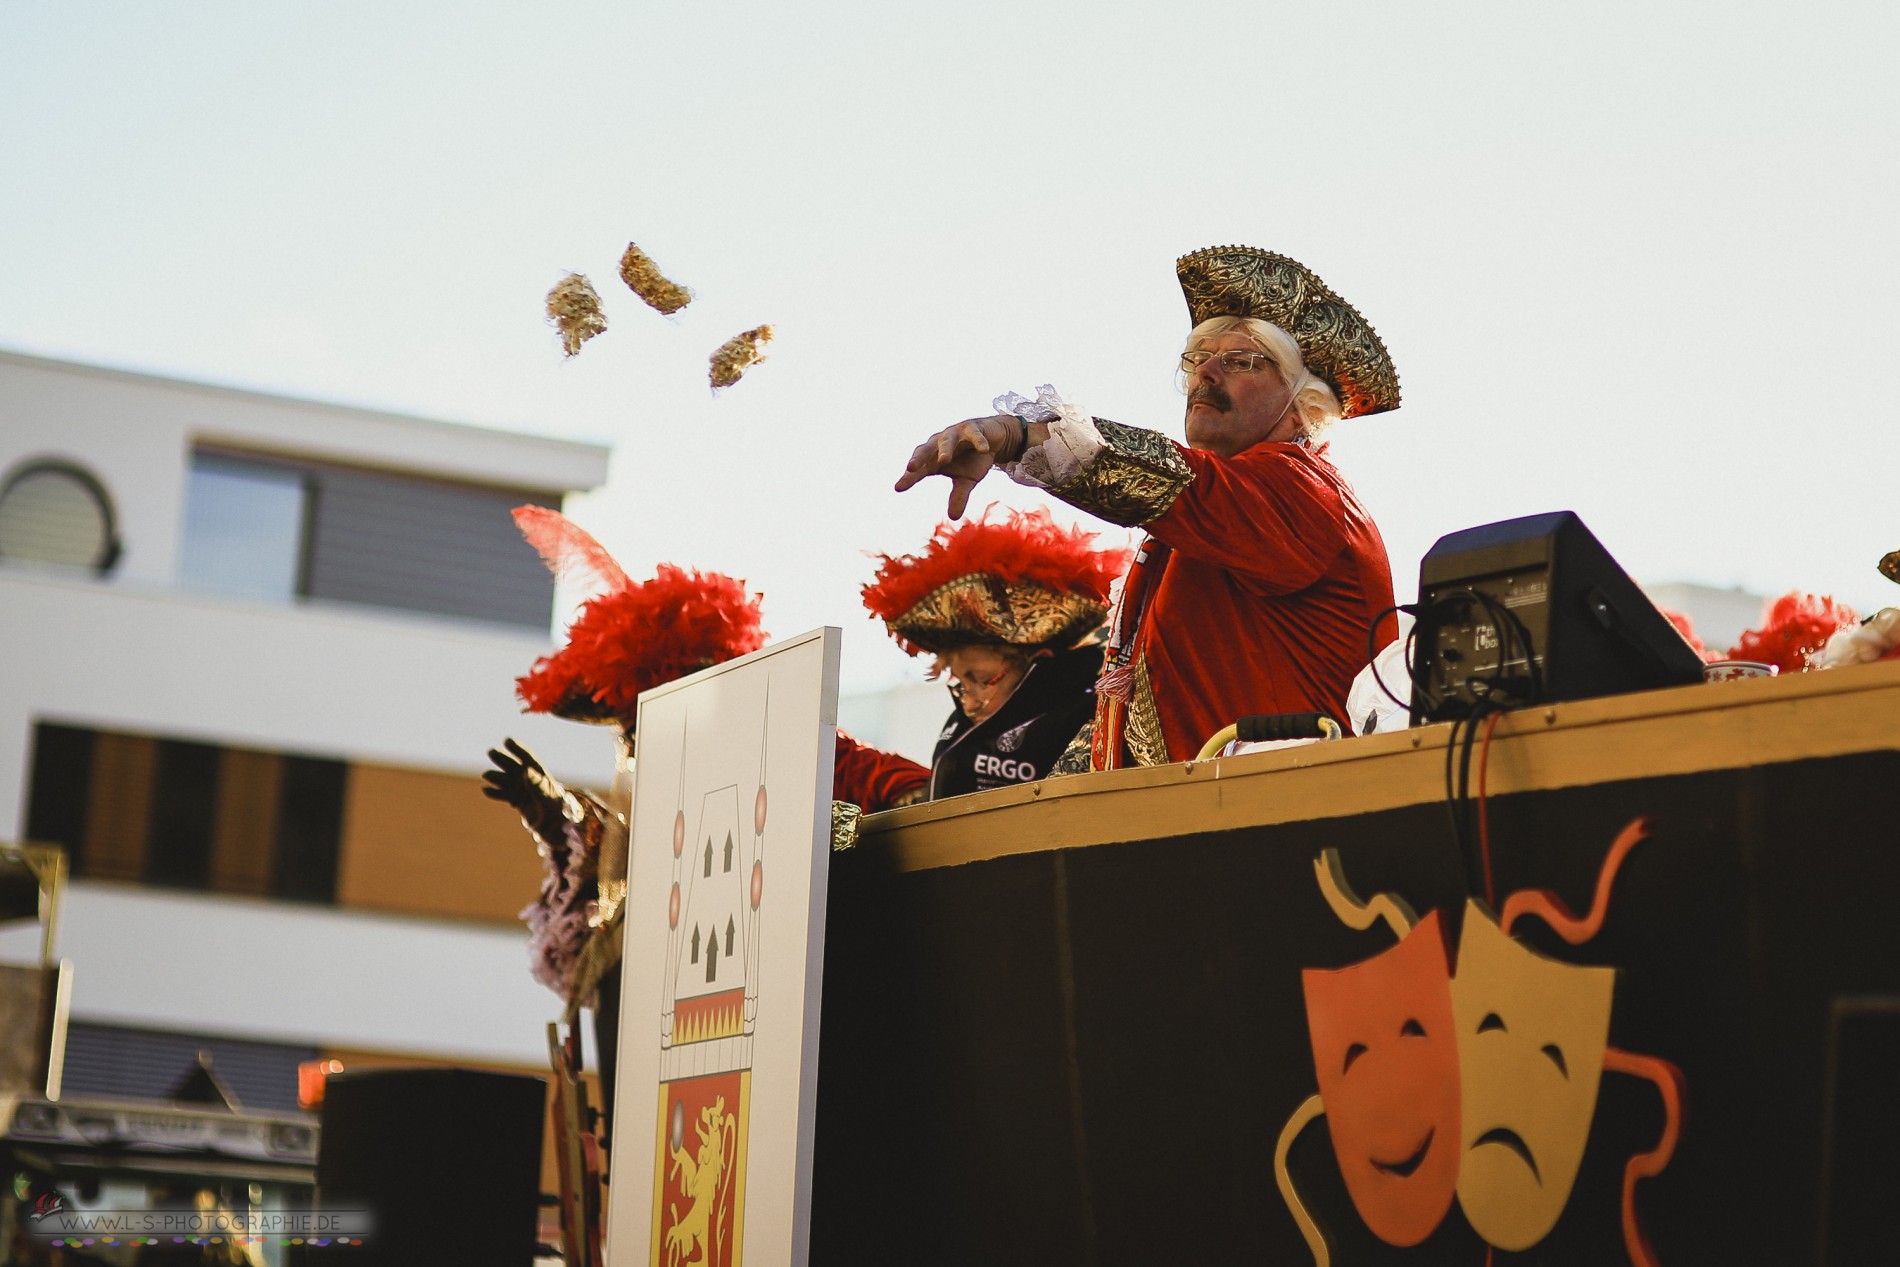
{"x":1267,"y":575}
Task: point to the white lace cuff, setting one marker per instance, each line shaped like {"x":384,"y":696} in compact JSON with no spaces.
{"x":1073,"y":445}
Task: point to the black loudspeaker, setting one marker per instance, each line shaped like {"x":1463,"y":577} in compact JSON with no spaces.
{"x":447,"y":1162}
{"x":1531,"y":611}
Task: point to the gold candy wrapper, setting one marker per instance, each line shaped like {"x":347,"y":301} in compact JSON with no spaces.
{"x":738,"y":354}
{"x":644,"y":278}
{"x":574,"y":308}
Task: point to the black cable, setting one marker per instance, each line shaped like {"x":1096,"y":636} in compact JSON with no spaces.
{"x":1425,"y":618}
{"x":1458,"y":749}
{"x":1512,"y":634}
{"x":1488,"y":694}
{"x":1451,"y":797}
{"x":1372,"y":651}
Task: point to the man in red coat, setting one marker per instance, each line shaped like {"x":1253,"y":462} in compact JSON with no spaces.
{"x":1263,"y":586}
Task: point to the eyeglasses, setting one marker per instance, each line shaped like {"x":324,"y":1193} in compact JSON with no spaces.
{"x":958,"y":686}
{"x":1235,"y":361}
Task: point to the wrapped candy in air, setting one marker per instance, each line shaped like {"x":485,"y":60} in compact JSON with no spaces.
{"x":644,"y":278}
{"x":738,"y":354}
{"x":574,"y":308}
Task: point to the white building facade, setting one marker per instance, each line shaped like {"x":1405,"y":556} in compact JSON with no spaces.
{"x":252,"y":653}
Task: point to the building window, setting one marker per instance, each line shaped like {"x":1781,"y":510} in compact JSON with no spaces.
{"x":56,"y":514}
{"x":178,"y":814}
{"x":280,"y":528}
{"x":244,"y":528}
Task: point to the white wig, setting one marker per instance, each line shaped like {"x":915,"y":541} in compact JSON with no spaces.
{"x":1314,"y":402}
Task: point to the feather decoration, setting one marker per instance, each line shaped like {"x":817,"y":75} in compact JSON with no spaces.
{"x":1794,"y":627}
{"x":569,"y":550}
{"x":1021,"y":547}
{"x":643,"y":635}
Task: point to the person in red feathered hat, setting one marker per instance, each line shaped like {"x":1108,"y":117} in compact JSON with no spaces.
{"x":1010,"y":608}
{"x":632,"y":636}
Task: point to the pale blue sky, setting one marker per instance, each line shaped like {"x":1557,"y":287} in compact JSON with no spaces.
{"x":1635,"y":260}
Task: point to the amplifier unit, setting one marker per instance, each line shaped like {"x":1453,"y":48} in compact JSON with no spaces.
{"x":1531,"y":611}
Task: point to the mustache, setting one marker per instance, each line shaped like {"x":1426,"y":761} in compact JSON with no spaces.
{"x":1213,"y":395}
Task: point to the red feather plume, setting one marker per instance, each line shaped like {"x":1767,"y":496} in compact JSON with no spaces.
{"x":569,"y":550}
{"x":636,"y":635}
{"x":1794,"y":627}
{"x":1023,"y":546}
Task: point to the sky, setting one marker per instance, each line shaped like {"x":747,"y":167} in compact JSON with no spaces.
{"x":1635,"y":260}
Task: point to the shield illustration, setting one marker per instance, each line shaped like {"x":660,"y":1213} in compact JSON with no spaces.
{"x":706,"y":1022}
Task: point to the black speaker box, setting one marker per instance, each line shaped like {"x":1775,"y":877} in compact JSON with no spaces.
{"x":447,"y":1161}
{"x":1532,"y":611}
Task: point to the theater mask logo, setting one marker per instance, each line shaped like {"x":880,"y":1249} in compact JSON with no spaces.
{"x":1386,"y":1054}
{"x":1531,"y":1036}
{"x":1478,"y":1078}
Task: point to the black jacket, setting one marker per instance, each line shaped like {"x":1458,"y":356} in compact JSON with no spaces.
{"x":1023,"y":738}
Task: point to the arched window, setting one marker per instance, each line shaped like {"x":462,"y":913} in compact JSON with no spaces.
{"x":55,"y":513}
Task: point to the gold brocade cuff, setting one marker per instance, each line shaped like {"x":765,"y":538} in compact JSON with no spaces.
{"x":1132,"y":481}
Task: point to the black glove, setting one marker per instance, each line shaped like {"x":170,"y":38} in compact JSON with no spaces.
{"x":519,"y":780}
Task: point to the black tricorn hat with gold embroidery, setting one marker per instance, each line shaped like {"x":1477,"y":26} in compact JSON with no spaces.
{"x":1336,"y":342}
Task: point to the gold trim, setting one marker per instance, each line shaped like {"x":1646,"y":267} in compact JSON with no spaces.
{"x":1143,"y":735}
{"x":1133,"y":480}
{"x":980,"y":607}
{"x":1336,"y":342}
{"x":1682,"y":730}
